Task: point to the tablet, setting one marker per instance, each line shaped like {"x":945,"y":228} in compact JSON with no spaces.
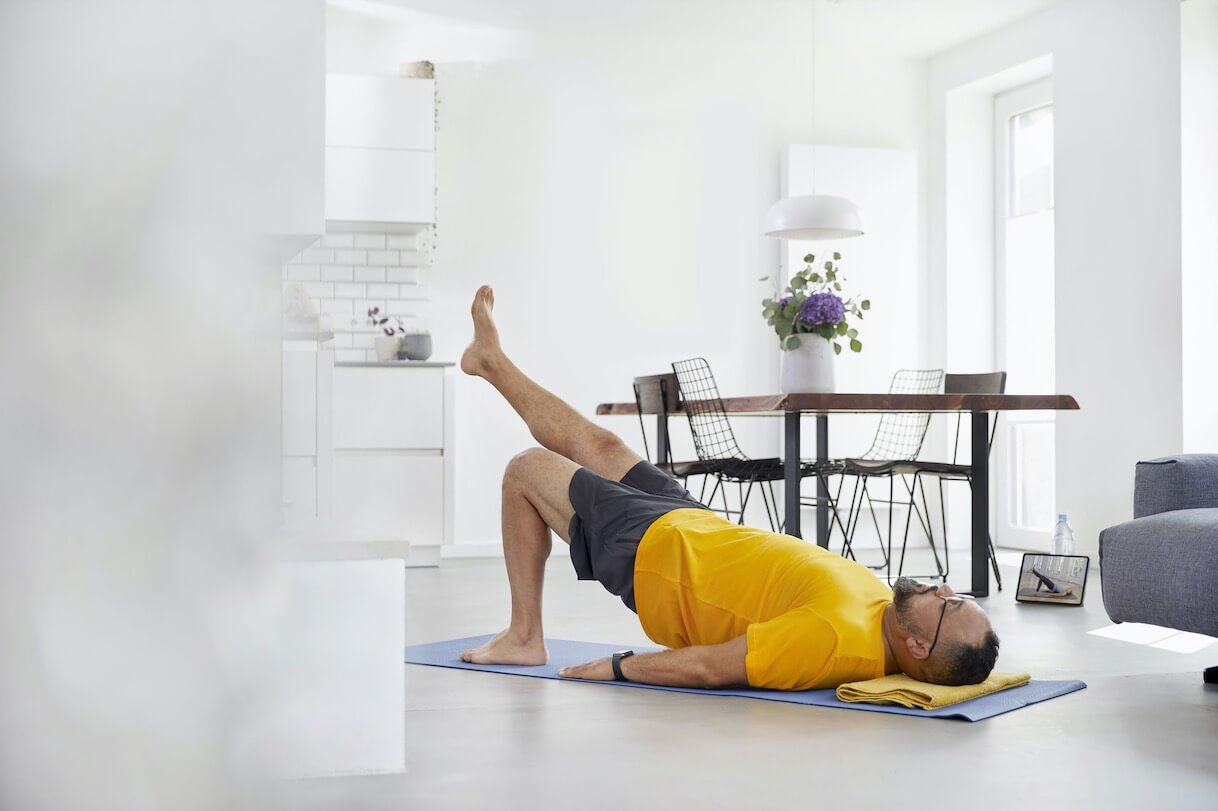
{"x":1052,"y":579}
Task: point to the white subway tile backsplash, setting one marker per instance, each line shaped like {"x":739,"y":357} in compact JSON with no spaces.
{"x":387,"y":291}
{"x":402,"y":241}
{"x":318,"y":256}
{"x":347,"y":274}
{"x":319,"y":290}
{"x":335,"y":306}
{"x":362,"y":308}
{"x":341,"y":340}
{"x":408,"y":275}
{"x":382,"y":257}
{"x":304,"y":273}
{"x":336,"y":273}
{"x":403,"y":308}
{"x":351,"y":257}
{"x":414,"y":292}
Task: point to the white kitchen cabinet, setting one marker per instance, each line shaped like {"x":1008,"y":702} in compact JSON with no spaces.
{"x":380,"y":142}
{"x":379,"y":185}
{"x":392,"y":472}
{"x":380,"y":112}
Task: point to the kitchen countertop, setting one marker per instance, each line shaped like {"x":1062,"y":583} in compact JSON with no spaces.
{"x":414,"y":364}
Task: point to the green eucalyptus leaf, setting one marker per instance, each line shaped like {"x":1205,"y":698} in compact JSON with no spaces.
{"x":764,"y":279}
{"x":837,"y":256}
{"x":828,"y":266}
{"x":853,"y":333}
{"x":841,"y":328}
{"x":856,"y":345}
{"x":792,"y":342}
{"x":809,"y":258}
{"x":799,"y":283}
{"x":837,"y":286}
{"x":837,"y":349}
{"x":866,"y":304}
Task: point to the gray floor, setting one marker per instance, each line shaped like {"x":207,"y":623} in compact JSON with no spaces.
{"x":1145,"y":732}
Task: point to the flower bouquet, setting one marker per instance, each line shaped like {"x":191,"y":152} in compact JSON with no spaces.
{"x":812,"y":304}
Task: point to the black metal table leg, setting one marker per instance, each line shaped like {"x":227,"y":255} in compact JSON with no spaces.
{"x":790,"y":472}
{"x":981,"y":503}
{"x":822,"y":487}
{"x":661,"y":439}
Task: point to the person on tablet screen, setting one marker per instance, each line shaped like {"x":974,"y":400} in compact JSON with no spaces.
{"x":734,"y":605}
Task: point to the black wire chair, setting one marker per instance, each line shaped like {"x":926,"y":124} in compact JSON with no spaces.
{"x":986,"y":383}
{"x":657,"y":395}
{"x":716,"y":443}
{"x":898,"y":440}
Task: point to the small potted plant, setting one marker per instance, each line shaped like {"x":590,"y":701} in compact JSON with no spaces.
{"x":810,"y":318}
{"x":390,"y":342}
{"x":417,"y":343}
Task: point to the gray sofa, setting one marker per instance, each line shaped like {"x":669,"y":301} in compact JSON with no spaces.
{"x":1162,"y":567}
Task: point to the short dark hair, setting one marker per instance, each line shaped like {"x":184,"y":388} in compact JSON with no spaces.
{"x":963,"y":663}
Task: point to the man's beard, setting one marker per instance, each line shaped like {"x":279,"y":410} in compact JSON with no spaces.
{"x":903,"y":591}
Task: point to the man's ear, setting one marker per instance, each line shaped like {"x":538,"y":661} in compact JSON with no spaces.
{"x":919,"y":648}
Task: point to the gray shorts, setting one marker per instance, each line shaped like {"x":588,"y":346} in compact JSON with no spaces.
{"x":611,"y":518}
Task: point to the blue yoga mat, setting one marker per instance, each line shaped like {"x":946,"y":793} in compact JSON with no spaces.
{"x":564,"y":652}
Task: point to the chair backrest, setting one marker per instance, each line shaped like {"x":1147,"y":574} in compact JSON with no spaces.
{"x":899,"y":436}
{"x":981,"y":383}
{"x":713,"y":437}
{"x":655,"y":395}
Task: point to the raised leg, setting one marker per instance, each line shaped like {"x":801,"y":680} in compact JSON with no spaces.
{"x":535,"y":501}
{"x":553,"y":423}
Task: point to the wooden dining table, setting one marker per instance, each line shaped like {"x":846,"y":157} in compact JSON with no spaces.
{"x":793,"y":407}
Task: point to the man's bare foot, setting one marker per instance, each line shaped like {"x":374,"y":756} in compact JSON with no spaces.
{"x":485,"y":346}
{"x":507,"y":649}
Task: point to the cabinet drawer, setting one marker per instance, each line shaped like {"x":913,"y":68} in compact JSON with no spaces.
{"x":381,"y":496}
{"x":380,"y":112}
{"x":379,"y":185}
{"x":388,"y":408}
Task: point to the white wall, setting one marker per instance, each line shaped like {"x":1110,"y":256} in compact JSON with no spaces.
{"x":612,"y":187}
{"x":1199,"y":189}
{"x":1116,"y":73}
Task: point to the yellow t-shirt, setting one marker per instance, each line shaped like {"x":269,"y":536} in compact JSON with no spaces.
{"x":812,"y":617}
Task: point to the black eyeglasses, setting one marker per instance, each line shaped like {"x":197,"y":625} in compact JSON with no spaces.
{"x":955,"y":598}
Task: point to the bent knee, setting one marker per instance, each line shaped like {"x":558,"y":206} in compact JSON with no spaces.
{"x":528,"y":465}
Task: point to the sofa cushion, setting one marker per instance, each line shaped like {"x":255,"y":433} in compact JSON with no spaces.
{"x":1163,"y":570}
{"x":1181,"y":482}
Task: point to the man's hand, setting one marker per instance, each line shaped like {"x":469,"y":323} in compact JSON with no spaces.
{"x":600,"y":670}
{"x":704,"y":666}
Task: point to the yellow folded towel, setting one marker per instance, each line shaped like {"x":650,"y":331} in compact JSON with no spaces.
{"x":900,"y":689}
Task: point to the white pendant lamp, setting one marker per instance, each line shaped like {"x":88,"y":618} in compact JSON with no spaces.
{"x":813,"y":216}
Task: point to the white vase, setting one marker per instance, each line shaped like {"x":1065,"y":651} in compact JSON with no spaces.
{"x":809,"y":367}
{"x":387,"y":347}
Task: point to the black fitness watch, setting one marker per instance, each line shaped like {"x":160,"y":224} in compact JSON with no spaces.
{"x":617,"y":664}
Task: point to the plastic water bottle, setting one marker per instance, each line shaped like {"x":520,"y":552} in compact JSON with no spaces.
{"x":1063,"y":537}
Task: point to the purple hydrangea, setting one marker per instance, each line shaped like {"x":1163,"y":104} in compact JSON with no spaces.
{"x":822,"y":308}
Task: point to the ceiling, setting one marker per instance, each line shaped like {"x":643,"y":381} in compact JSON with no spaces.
{"x":910,"y":28}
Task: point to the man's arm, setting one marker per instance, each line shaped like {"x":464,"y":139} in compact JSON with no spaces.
{"x":705,"y":666}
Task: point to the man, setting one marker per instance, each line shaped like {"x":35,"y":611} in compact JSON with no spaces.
{"x":735,"y":605}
